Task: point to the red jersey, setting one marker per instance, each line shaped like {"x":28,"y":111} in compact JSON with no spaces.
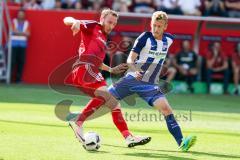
{"x":221,"y":58}
{"x":93,"y":43}
{"x":85,"y":74}
{"x":236,"y":58}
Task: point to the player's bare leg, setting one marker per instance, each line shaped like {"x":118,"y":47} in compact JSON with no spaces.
{"x":162,"y":105}
{"x":77,"y":125}
{"x":119,"y":121}
{"x":108,"y":101}
{"x":93,"y":105}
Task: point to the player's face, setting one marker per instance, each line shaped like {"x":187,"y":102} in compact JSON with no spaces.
{"x":158,"y":27}
{"x":109,"y":22}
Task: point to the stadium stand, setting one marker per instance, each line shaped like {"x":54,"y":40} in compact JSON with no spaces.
{"x":44,"y":52}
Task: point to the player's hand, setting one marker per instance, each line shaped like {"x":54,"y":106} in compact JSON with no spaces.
{"x":139,"y":75}
{"x":119,"y":69}
{"x":75,"y":27}
{"x":69,"y":21}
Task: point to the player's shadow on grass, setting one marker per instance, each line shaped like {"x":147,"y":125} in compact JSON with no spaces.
{"x":106,"y":128}
{"x":32,"y":123}
{"x":195,"y":153}
{"x":157,"y":155}
{"x":98,"y":152}
{"x":213,"y":154}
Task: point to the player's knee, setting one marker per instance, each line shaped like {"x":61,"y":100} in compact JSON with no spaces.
{"x":117,"y":107}
{"x":112,"y":103}
{"x":166,"y":110}
{"x":163,"y":107}
{"x":103,"y":94}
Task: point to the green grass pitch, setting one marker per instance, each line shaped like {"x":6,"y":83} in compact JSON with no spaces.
{"x":29,"y":129}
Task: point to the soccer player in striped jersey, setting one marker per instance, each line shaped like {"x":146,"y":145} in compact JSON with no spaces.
{"x":145,"y":61}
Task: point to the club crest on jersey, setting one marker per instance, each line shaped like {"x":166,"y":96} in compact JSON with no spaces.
{"x":164,"y":47}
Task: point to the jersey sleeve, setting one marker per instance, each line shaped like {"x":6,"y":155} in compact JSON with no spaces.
{"x":170,"y":38}
{"x":87,"y":25}
{"x":140,"y":42}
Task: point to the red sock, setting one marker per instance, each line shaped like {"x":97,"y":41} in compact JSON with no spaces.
{"x":120,"y":122}
{"x":89,"y":109}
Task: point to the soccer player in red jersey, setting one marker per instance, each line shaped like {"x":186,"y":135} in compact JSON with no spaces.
{"x":88,"y":79}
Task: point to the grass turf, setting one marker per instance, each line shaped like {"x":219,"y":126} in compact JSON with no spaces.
{"x":29,"y":128}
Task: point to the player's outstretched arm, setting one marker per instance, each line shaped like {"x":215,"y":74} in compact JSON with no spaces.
{"x":74,"y":23}
{"x":115,"y":70}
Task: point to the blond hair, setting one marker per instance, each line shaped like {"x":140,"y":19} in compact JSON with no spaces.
{"x":108,"y":11}
{"x":160,"y":15}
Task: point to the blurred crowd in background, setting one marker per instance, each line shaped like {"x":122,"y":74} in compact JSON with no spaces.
{"x":185,"y":64}
{"x":223,"y":8}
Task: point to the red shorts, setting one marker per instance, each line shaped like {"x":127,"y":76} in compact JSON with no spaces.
{"x":87,"y":78}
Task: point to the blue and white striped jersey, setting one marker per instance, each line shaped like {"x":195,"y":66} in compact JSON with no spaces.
{"x":152,"y":53}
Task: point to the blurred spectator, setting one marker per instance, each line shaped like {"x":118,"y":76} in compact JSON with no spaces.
{"x":21,"y":32}
{"x":168,"y":6}
{"x":68,"y":4}
{"x":217,"y":63}
{"x":190,"y":7}
{"x":58,"y":4}
{"x":120,"y":6}
{"x":214,"y":8}
{"x":123,"y":50}
{"x":143,"y":6}
{"x":108,"y":3}
{"x":233,"y":8}
{"x":48,"y":4}
{"x":236,"y":67}
{"x":32,"y":4}
{"x":86,"y":4}
{"x":186,"y":63}
{"x":78,"y":5}
{"x":97,"y":5}
{"x":168,"y":70}
{"x":14,"y":2}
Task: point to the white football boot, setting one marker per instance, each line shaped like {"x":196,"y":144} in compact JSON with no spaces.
{"x":133,"y":141}
{"x":78,"y":131}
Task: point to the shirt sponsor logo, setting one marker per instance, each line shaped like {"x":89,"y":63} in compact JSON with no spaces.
{"x":157,"y":54}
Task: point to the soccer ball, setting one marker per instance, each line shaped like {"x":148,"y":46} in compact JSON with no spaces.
{"x":92,"y":141}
